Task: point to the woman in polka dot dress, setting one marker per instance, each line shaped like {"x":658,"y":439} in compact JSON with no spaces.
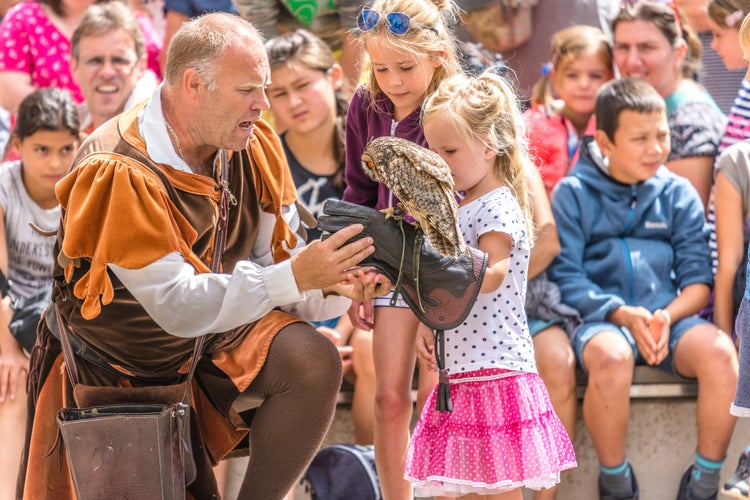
{"x":502,"y":433}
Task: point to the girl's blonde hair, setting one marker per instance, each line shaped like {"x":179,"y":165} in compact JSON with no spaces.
{"x":486,"y":107}
{"x":565,"y":47}
{"x":428,"y":34}
{"x":744,"y":34}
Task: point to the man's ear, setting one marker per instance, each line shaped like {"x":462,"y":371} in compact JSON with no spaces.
{"x":192,"y":82}
{"x":605,"y":145}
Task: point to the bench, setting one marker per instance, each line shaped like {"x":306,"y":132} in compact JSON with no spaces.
{"x":648,"y":382}
{"x":660,"y":443}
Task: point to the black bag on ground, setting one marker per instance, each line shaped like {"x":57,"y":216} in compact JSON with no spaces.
{"x":343,"y":472}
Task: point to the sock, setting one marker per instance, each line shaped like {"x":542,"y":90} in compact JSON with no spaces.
{"x":616,"y":480}
{"x":705,"y":476}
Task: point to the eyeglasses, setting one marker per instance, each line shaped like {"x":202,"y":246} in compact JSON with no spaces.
{"x":670,"y":3}
{"x":398,"y":23}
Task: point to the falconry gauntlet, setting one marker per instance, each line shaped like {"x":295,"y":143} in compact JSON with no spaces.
{"x":440,"y":290}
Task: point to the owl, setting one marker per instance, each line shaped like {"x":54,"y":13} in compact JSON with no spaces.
{"x":423,"y":183}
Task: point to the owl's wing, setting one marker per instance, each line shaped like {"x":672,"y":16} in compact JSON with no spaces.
{"x":434,"y":208}
{"x":437,"y":168}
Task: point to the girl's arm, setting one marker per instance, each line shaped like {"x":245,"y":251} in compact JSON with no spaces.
{"x":497,"y":246}
{"x":14,"y":87}
{"x":729,"y":238}
{"x":14,"y":363}
{"x":699,"y":171}
{"x":360,"y":189}
{"x":546,"y":242}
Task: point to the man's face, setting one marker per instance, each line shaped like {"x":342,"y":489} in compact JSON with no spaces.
{"x":107,"y":70}
{"x":226,"y":114}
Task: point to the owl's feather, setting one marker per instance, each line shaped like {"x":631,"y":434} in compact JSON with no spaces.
{"x":423,"y":183}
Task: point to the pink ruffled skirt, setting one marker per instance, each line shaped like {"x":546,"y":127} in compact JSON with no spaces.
{"x":501,"y":435}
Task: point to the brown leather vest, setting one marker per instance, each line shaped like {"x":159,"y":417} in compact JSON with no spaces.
{"x":123,"y":333}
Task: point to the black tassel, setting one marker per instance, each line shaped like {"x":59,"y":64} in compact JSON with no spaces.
{"x":444,"y":393}
{"x":444,"y":388}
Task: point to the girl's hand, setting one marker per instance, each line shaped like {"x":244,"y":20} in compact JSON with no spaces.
{"x":14,"y":367}
{"x":361,"y":284}
{"x":425,"y":346}
{"x":14,"y":363}
{"x":361,"y":314}
{"x":345,"y":351}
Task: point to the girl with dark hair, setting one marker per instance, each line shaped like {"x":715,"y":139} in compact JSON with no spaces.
{"x":46,"y":136}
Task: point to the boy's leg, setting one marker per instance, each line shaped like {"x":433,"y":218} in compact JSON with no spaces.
{"x":607,"y":353}
{"x":707,"y":354}
{"x":608,"y":359}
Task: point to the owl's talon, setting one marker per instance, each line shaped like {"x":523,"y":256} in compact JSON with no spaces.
{"x":388,"y":212}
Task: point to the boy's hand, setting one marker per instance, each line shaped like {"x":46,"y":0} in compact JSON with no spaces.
{"x":426,"y":346}
{"x":638,"y":321}
{"x":661,"y":323}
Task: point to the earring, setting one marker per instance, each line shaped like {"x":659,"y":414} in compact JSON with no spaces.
{"x":605,"y":161}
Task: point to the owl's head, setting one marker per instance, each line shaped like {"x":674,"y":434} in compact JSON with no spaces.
{"x":386,"y":157}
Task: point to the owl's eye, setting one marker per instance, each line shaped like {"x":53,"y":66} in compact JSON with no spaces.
{"x":367,"y":163}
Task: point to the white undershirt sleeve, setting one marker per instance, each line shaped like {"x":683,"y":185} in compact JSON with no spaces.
{"x":186,"y":304}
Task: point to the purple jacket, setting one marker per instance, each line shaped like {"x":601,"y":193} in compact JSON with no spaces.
{"x":367,"y":119}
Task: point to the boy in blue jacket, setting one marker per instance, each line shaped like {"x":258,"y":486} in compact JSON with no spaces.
{"x":635,"y":263}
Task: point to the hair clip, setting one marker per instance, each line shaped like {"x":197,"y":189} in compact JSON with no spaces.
{"x":732,"y":19}
{"x":546,"y":68}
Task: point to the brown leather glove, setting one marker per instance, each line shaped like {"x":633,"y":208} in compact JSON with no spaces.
{"x":440,"y":290}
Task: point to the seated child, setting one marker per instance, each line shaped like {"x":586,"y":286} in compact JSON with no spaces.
{"x":635,"y":263}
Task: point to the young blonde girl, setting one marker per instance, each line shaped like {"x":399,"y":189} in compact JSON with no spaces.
{"x":46,"y":136}
{"x":503,"y":432}
{"x":410,"y":50}
{"x":562,"y":101}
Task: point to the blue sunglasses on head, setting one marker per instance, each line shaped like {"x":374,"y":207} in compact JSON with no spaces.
{"x":398,"y":23}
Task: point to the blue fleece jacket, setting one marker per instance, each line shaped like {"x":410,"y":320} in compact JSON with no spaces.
{"x":626,"y":244}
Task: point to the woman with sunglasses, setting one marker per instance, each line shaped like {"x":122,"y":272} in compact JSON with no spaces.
{"x":652,"y":43}
{"x":411,"y":50}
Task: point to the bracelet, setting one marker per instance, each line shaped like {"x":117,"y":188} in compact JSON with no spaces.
{"x":667,"y":315}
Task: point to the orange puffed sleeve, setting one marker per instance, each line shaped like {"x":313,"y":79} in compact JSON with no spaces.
{"x":117,"y":213}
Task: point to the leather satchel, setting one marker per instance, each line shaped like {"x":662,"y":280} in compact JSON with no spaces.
{"x":127,"y":442}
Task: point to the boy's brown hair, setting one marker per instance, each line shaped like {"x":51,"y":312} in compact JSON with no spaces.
{"x":620,"y":95}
